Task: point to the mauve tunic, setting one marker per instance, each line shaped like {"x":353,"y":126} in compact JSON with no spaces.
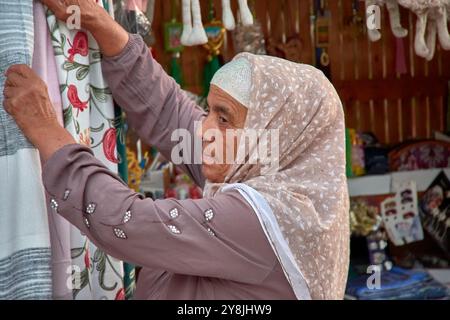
{"x":184,"y":253}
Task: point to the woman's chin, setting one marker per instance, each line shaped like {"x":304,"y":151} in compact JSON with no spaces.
{"x":213,"y":172}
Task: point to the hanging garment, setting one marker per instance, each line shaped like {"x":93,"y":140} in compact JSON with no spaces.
{"x":45,"y":67}
{"x":88,"y":113}
{"x":25,"y":270}
{"x":129,"y":271}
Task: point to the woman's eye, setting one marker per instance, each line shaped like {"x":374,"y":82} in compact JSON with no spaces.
{"x":222,"y":120}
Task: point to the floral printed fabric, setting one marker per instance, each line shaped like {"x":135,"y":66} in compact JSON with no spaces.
{"x":420,"y":155}
{"x":88,"y":111}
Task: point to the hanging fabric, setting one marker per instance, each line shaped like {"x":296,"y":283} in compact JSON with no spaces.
{"x":45,"y":67}
{"x":129,"y":269}
{"x":394,"y":17}
{"x":431,"y":24}
{"x":89,"y":117}
{"x":109,"y":6}
{"x":25,"y":256}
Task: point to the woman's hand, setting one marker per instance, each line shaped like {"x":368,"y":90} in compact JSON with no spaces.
{"x":110,"y":36}
{"x":89,"y":11}
{"x":26,"y":100}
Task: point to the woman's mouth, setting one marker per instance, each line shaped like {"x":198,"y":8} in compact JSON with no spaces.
{"x":208,"y":159}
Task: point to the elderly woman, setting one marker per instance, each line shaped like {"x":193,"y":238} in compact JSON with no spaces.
{"x":257,"y":233}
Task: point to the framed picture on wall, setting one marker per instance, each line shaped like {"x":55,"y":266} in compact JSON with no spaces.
{"x":172,"y":36}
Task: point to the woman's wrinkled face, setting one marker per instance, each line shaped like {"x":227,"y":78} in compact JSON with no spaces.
{"x":225,"y":113}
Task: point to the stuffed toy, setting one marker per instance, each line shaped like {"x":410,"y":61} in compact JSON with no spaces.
{"x":394,"y":17}
{"x":431,"y":22}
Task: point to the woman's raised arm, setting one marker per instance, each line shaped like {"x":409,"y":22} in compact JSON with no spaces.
{"x":155,"y":105}
{"x":218,"y":237}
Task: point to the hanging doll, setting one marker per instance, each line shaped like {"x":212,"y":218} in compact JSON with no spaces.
{"x":431,"y":22}
{"x":228,"y":18}
{"x":394,"y":17}
{"x":193,"y":31}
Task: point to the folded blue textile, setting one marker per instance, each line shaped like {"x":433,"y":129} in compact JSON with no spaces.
{"x":398,"y":284}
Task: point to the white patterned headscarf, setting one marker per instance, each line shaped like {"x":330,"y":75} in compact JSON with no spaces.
{"x":303,"y":206}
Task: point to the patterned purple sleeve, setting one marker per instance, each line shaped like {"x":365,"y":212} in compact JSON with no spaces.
{"x":154,"y":103}
{"x":216,"y":237}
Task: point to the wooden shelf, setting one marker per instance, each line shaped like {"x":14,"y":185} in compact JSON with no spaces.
{"x":384,"y":184}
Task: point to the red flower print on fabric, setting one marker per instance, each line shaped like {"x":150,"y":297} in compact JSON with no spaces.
{"x":109,"y":145}
{"x":87,"y":260}
{"x":80,"y":45}
{"x":72,"y":95}
{"x":120,"y":294}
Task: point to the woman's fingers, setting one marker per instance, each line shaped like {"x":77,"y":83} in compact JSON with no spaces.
{"x":21,"y":70}
{"x":27,"y":101}
{"x":10,"y":92}
{"x":7,"y":104}
{"x":54,"y":5}
{"x":58,"y":7}
{"x":63,"y":9}
{"x":14,"y":80}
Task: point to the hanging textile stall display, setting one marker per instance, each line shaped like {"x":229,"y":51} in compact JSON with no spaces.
{"x":431,"y":22}
{"x":44,"y":65}
{"x":394,"y":17}
{"x":211,"y":36}
{"x":25,"y":257}
{"x":89,"y":117}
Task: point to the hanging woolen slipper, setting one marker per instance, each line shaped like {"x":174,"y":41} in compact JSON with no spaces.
{"x":193,"y":31}
{"x":228,"y":18}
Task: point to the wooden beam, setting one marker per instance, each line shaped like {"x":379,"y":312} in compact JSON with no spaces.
{"x":365,"y":90}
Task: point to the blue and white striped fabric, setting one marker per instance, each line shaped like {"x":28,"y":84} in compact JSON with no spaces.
{"x":16,"y":47}
{"x":25,"y":257}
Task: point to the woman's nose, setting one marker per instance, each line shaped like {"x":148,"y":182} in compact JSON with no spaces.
{"x":203,"y":129}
